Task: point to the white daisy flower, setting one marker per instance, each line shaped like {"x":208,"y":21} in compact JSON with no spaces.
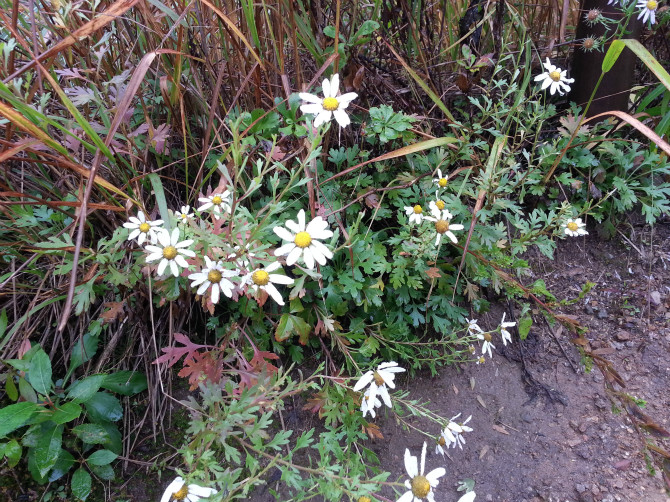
{"x":441,"y":181}
{"x":170,"y":252}
{"x":468,"y":497}
{"x":261,"y":278}
{"x":415,"y":213}
{"x":143,"y":228}
{"x":487,"y":346}
{"x":473,"y":327}
{"x":457,"y":429}
{"x":420,"y":486}
{"x":215,"y":275}
{"x":179,"y":490}
{"x":555,"y":77}
{"x":574,"y":228}
{"x":218,"y":203}
{"x":436,"y":205}
{"x":184,"y":214}
{"x":445,"y":440}
{"x":442,"y":219}
{"x":330,"y":105}
{"x":648,"y":10}
{"x":506,"y":335}
{"x":369,"y":405}
{"x":378,"y":380}
{"x":304,"y":240}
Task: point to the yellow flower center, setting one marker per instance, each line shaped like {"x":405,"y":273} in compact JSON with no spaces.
{"x":144,"y":227}
{"x":487,"y":337}
{"x":441,"y":226}
{"x":184,"y":216}
{"x":418,"y":209}
{"x":441,"y":441}
{"x":181,"y":494}
{"x":302,"y":239}
{"x":420,"y":486}
{"x":481,"y":360}
{"x":330,"y":104}
{"x":260,"y":277}
{"x":439,"y":204}
{"x":442,"y":182}
{"x":379,"y":380}
{"x":652,"y":4}
{"x":573,"y":226}
{"x":217,"y":200}
{"x":555,"y":75}
{"x":169,"y":252}
{"x":364,"y":499}
{"x":214,"y":276}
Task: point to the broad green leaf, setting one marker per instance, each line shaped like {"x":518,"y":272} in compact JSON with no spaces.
{"x":15,"y":415}
{"x":3,"y":321}
{"x":105,"y":472}
{"x":82,"y":352}
{"x":101,"y":457}
{"x":524,"y":326}
{"x":612,"y":55}
{"x":32,"y":467}
{"x":649,"y":60}
{"x":159,"y":195}
{"x":103,"y":407}
{"x":26,"y":391}
{"x":91,"y":433}
{"x":66,"y":413}
{"x":10,"y":388}
{"x":81,"y":484}
{"x":115,"y":441}
{"x":63,"y":464}
{"x":48,"y":448}
{"x":13,"y":452}
{"x":83,"y":390}
{"x":39,"y":373}
{"x":124,"y":382}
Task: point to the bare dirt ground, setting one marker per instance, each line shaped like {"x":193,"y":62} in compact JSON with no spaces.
{"x":574,"y":446}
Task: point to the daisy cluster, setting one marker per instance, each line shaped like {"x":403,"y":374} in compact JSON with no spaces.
{"x":486,"y":337}
{"x":439,"y":216}
{"x":238,"y":271}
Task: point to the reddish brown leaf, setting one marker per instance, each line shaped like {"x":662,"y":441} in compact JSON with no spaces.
{"x":202,"y":366}
{"x":373,"y":431}
{"x":114,"y":311}
{"x":433,"y":273}
{"x":173,"y":354}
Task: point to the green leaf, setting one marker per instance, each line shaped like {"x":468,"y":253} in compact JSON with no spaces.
{"x":648,"y":60}
{"x":525,"y":324}
{"x":612,"y":55}
{"x":159,"y":195}
{"x":48,"y":448}
{"x":105,"y":472}
{"x":3,"y":321}
{"x":101,"y":457}
{"x":103,"y":407}
{"x":26,"y":391}
{"x":15,"y":415}
{"x":82,"y":352}
{"x":13,"y":452}
{"x":81,"y":484}
{"x":83,"y":390}
{"x":66,"y":413}
{"x":10,"y":388}
{"x":290,"y":324}
{"x":124,"y":382}
{"x":39,"y":373}
{"x":91,"y":433}
{"x":63,"y":464}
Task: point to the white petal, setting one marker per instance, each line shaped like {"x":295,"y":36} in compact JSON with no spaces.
{"x":434,"y":475}
{"x":179,"y":260}
{"x":308,"y":257}
{"x":310,"y":98}
{"x":293,"y":256}
{"x":272,"y":291}
{"x":174,"y":268}
{"x":280,"y":279}
{"x":282,"y":233}
{"x":312,"y":108}
{"x":164,"y":238}
{"x":317,"y":254}
{"x":161,"y":266}
{"x":365,"y":380}
{"x":334,"y":85}
{"x":186,"y":252}
{"x":541,"y":76}
{"x":292,"y":226}
{"x":275,"y":265}
{"x":172,"y":488}
{"x":411,"y":464}
{"x":406,"y":497}
{"x":342,"y":117}
{"x":384,"y":393}
{"x":202,"y":288}
{"x":325,"y":87}
{"x":322,"y":118}
{"x":423,"y":458}
{"x":468,"y":497}
{"x":285,"y":249}
{"x":345,"y":99}
{"x":201,"y":491}
{"x":547,"y":82}
{"x":215,"y":293}
{"x":198,"y":279}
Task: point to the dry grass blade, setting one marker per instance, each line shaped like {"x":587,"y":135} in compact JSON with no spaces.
{"x":649,"y":133}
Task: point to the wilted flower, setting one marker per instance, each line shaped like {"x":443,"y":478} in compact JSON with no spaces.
{"x":574,"y":228}
{"x":330,"y":105}
{"x":179,"y":490}
{"x":445,"y":440}
{"x":170,"y":252}
{"x":473,"y":327}
{"x":379,"y":379}
{"x":506,"y":335}
{"x":143,"y":228}
{"x":554,"y":77}
{"x":420,"y":486}
{"x":304,"y":240}
{"x":369,"y":405}
{"x":457,"y":429}
{"x":487,"y":346}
